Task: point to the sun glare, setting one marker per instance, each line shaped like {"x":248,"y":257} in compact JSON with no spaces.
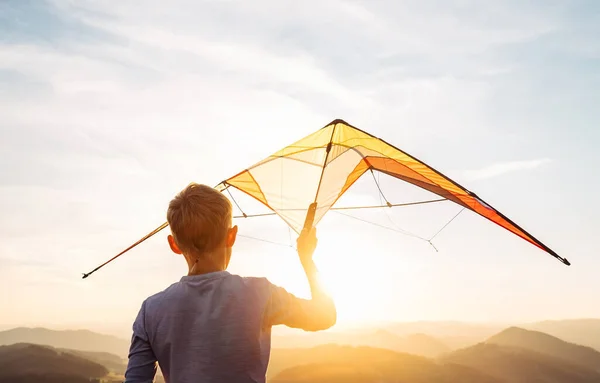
{"x":362,"y":290}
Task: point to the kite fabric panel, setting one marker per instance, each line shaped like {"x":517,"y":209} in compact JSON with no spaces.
{"x":324,"y":165}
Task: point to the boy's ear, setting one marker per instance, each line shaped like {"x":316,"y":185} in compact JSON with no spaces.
{"x":173,"y":245}
{"x":231,"y":236}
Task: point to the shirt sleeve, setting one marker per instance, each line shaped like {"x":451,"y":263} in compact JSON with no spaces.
{"x":310,"y":315}
{"x":141,"y":367}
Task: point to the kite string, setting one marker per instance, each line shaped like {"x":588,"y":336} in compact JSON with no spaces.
{"x":382,"y":196}
{"x":236,"y":204}
{"x":443,"y":227}
{"x":265,"y":240}
{"x":446,"y":225}
{"x":397,"y":230}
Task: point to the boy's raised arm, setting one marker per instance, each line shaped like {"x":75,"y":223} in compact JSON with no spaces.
{"x":318,"y":313}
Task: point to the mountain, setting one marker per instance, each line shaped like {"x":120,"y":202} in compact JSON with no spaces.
{"x":455,"y":334}
{"x":418,"y":344}
{"x":83,"y":340}
{"x":29,"y":362}
{"x":424,"y":345}
{"x":549,"y":345}
{"x":445,"y":329}
{"x":452,"y":334}
{"x":332,"y":364}
{"x":519,"y":365}
{"x":579,"y":331}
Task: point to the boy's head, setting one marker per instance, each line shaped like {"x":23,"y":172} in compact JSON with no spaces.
{"x":200,"y":218}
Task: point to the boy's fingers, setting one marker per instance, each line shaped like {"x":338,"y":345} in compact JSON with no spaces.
{"x":308,"y":234}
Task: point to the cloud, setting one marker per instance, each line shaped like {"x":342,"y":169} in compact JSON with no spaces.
{"x":502,"y":168}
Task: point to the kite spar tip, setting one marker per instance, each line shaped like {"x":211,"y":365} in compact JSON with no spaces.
{"x":85,"y":275}
{"x":337,"y":121}
{"x":563,"y":260}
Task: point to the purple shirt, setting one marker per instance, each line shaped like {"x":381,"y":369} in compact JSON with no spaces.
{"x":216,"y":327}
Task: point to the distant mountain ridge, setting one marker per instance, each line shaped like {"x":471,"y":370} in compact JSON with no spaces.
{"x":442,"y":336}
{"x":520,"y":365}
{"x":456,"y":334}
{"x":549,"y":345}
{"x":585,"y":332}
{"x":82,"y":340}
{"x":417,"y":344}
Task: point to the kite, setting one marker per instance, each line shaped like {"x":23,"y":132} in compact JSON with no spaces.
{"x":321,"y":167}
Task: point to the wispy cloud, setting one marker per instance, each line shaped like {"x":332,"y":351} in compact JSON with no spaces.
{"x":502,"y":168}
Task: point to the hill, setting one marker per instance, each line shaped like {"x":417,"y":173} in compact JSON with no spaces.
{"x":548,"y":344}
{"x":453,"y":334}
{"x":579,"y":331}
{"x":332,"y":364}
{"x":417,"y":344}
{"x":457,"y":335}
{"x":446,"y":329}
{"x":519,"y":365}
{"x":82,"y":340}
{"x":22,"y":362}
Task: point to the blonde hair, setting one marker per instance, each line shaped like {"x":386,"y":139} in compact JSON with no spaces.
{"x":199,"y":217}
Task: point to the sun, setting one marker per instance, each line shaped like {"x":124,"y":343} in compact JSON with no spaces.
{"x":362,"y":288}
{"x":362,"y":272}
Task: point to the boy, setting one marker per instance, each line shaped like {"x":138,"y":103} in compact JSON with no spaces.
{"x":213,"y":326}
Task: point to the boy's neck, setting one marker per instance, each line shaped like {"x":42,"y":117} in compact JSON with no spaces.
{"x":203,"y":267}
{"x":199,"y":270}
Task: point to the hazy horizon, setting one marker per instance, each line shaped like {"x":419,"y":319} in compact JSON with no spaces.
{"x":108,"y":110}
{"x":123,"y":331}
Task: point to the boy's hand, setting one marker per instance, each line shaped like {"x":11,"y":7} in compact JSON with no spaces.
{"x":307,"y":243}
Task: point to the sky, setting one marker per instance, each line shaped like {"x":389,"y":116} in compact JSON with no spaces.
{"x":108,"y":109}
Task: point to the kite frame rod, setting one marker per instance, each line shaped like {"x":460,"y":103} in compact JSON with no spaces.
{"x":85,"y":275}
{"x":349,"y":208}
{"x":161,"y":227}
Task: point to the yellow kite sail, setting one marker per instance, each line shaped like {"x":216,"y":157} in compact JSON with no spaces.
{"x":326,"y":163}
{"x":320,"y":168}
